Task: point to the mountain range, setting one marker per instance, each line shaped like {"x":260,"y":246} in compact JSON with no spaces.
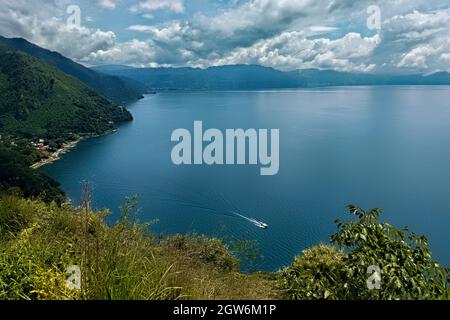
{"x":123,"y":84}
{"x":253,"y":77}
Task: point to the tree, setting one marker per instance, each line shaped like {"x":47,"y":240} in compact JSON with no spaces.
{"x":403,"y":259}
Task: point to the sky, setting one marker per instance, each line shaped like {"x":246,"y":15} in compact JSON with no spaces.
{"x":401,"y":36}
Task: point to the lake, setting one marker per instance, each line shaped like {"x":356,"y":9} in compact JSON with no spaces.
{"x":386,"y":147}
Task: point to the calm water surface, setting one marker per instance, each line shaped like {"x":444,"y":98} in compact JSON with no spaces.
{"x":385,"y":147}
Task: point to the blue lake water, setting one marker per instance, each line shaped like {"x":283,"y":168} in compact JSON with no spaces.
{"x":385,"y":147}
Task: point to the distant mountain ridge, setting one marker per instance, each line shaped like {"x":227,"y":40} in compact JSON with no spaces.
{"x":248,"y":77}
{"x":235,"y":77}
{"x":112,"y":87}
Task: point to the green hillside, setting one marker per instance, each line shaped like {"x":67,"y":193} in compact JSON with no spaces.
{"x":116,"y":89}
{"x":39,"y":101}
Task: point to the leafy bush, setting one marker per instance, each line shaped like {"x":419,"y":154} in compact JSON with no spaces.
{"x":407,"y":270}
{"x":317,"y":274}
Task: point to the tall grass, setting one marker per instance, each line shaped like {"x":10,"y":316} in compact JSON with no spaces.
{"x":38,"y":242}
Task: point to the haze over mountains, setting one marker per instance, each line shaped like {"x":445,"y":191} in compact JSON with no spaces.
{"x":252,"y":77}
{"x":122,"y":84}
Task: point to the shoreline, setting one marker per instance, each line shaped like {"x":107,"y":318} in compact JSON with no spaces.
{"x":67,"y":147}
{"x":55,"y":156}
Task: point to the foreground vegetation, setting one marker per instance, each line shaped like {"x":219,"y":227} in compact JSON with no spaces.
{"x":39,"y":241}
{"x":402,"y":261}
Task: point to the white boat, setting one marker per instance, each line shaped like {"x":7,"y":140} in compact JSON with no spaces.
{"x":257,"y":223}
{"x":261,"y":225}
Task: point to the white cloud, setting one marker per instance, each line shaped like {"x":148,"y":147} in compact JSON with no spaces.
{"x":258,"y":32}
{"x":108,"y":4}
{"x":38,"y":23}
{"x":148,"y":16}
{"x":291,"y":50}
{"x":422,"y":39}
{"x":284,"y":34}
{"x":142,"y":28}
{"x":134,"y":52}
{"x":176,"y":6}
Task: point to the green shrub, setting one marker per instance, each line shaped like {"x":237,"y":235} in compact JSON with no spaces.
{"x":407,"y":270}
{"x":317,"y":274}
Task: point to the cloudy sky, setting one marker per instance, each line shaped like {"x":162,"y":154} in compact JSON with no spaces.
{"x":344,"y":35}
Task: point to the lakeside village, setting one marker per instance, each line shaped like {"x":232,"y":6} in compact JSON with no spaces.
{"x":52,"y":151}
{"x":40,"y":145}
{"x":42,"y":151}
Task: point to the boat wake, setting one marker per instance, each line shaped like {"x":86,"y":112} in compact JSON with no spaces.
{"x":257,"y":223}
{"x":191,"y":203}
